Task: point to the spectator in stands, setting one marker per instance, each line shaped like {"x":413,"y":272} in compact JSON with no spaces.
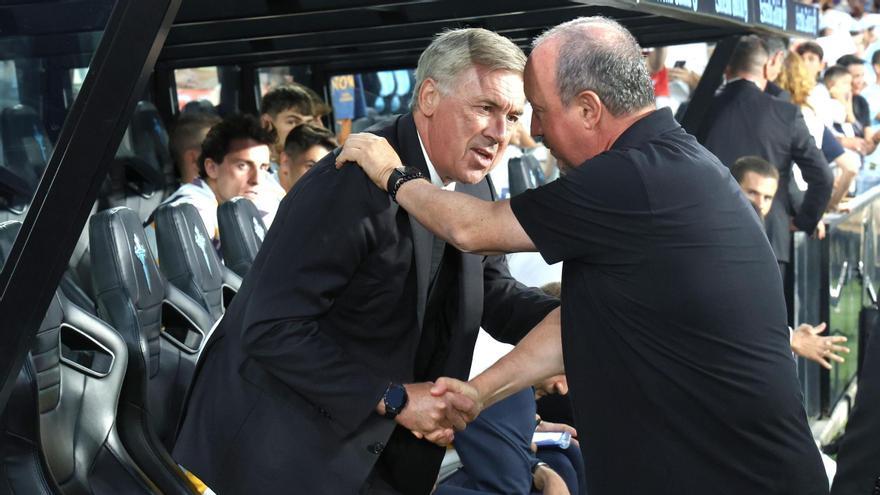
{"x":320,"y":108}
{"x":675,"y":311}
{"x":283,"y":109}
{"x":304,"y":147}
{"x":777,"y":133}
{"x":872,"y":92}
{"x":758,"y":180}
{"x":186,"y":142}
{"x":320,"y":375}
{"x":819,"y":100}
{"x":861,"y":113}
{"x":234,"y":152}
{"x":796,"y":79}
{"x":849,"y":131}
{"x":813,"y":55}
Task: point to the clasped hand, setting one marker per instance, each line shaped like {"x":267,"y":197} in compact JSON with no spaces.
{"x":435,"y":411}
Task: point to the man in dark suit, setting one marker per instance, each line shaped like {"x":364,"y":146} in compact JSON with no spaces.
{"x":325,"y":358}
{"x":744,"y":120}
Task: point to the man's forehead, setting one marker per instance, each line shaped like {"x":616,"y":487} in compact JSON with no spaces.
{"x":500,"y":87}
{"x":756,"y":179}
{"x":247,"y":146}
{"x":291,"y":112}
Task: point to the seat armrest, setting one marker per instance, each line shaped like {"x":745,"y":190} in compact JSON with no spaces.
{"x":231,"y":279}
{"x":189,"y":308}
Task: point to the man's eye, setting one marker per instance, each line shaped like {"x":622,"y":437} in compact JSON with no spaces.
{"x":513,"y":119}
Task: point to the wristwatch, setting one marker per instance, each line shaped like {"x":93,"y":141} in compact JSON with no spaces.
{"x":395,"y":399}
{"x":399,"y":176}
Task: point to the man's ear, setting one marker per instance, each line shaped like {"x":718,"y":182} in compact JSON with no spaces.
{"x":266,"y":121}
{"x":429,"y":97}
{"x":192,"y":155}
{"x":590,"y":108}
{"x":212,"y":168}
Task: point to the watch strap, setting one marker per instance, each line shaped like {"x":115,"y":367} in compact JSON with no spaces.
{"x":399,"y":177}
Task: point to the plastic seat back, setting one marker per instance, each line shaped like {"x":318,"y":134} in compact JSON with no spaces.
{"x":163,"y":330}
{"x":23,"y":467}
{"x":241,"y":234}
{"x":187,"y":256}
{"x":524,"y":172}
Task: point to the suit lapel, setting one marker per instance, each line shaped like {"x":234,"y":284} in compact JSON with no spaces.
{"x":411,"y":155}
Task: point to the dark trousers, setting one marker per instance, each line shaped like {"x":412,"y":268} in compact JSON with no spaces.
{"x":495,"y":451}
{"x":785,"y":270}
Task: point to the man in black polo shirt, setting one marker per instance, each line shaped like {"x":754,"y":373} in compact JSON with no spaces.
{"x":673,"y":330}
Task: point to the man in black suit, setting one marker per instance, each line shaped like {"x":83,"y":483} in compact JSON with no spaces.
{"x":744,"y":120}
{"x":325,"y":358}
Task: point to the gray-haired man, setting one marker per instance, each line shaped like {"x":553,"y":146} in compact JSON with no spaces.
{"x":317,"y":381}
{"x":673,"y":331}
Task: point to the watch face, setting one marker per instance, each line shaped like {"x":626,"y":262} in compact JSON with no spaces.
{"x":395,"y":397}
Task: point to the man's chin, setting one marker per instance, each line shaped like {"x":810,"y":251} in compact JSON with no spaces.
{"x":474,"y":176}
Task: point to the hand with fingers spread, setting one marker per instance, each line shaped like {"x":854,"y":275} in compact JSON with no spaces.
{"x":806,"y":342}
{"x":373,"y":154}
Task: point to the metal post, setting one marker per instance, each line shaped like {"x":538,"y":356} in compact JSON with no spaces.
{"x":709,"y":83}
{"x":123,"y":61}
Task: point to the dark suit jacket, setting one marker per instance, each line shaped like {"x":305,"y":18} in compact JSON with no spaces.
{"x":329,"y":314}
{"x":774,"y":90}
{"x":743,"y":120}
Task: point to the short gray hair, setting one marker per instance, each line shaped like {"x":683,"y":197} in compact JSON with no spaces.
{"x":454,"y":51}
{"x":599,"y":55}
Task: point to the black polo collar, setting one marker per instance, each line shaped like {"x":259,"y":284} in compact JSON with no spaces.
{"x":645,"y":129}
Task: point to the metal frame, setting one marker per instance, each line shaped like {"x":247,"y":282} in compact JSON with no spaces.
{"x":825,"y":315}
{"x":397,"y":32}
{"x":118,"y":75}
{"x":705,"y":91}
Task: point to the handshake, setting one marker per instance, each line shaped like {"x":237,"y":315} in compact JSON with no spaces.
{"x":435,"y":411}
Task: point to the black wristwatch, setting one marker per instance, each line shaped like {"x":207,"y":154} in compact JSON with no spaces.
{"x":399,"y":176}
{"x":395,"y":400}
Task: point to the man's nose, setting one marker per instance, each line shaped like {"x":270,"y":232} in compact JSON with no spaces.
{"x":498,"y":129}
{"x":254,"y":176}
{"x":536,"y":127}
